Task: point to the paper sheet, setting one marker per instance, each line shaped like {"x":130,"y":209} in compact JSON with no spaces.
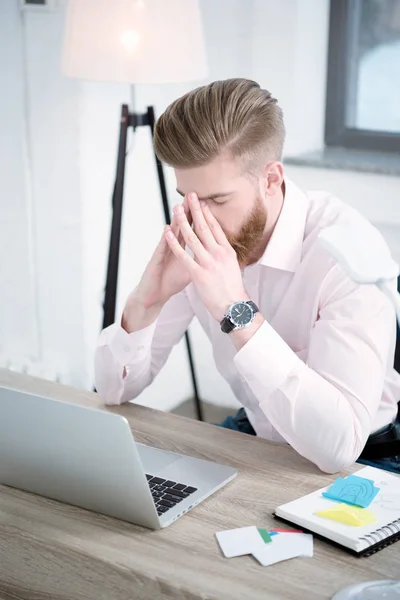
{"x":241,"y":541}
{"x":283,"y":547}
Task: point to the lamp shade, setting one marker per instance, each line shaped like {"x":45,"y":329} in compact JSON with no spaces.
{"x":134,"y":41}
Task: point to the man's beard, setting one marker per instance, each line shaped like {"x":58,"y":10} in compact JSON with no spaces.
{"x":250,"y":235}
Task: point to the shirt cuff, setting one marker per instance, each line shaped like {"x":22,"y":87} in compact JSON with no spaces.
{"x":127,"y":348}
{"x":266,"y":361}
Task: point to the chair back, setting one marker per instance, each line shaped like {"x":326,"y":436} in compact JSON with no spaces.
{"x":397,"y":353}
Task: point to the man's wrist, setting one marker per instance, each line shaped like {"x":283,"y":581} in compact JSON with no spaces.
{"x":136,"y":317}
{"x":240,"y":337}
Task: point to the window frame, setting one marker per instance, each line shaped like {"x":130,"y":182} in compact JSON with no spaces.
{"x":337,"y":133}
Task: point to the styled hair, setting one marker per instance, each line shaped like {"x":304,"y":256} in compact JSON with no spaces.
{"x":233,"y":116}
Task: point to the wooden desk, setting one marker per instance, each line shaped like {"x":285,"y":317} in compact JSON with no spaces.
{"x":51,"y":551}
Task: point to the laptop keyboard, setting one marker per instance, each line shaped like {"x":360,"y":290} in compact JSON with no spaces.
{"x":166,"y":493}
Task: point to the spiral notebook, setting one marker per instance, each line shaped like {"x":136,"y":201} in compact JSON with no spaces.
{"x":361,"y":541}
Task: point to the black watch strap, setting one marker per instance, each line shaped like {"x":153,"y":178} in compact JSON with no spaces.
{"x":226,"y":325}
{"x":253,"y":305}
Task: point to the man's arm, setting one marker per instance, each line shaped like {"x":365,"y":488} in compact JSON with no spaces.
{"x":126,"y":363}
{"x":324,"y":408}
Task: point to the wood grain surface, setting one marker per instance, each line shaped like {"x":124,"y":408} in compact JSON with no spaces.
{"x":52,"y":551}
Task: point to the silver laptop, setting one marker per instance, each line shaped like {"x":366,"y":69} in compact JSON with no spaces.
{"x":88,"y":457}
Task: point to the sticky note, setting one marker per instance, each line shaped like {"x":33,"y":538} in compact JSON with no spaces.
{"x":350,"y":515}
{"x":266,"y":536}
{"x":241,"y":541}
{"x":285,"y":531}
{"x":352,"y":490}
{"x":284,"y":547}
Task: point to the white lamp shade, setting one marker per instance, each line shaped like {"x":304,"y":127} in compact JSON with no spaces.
{"x":134,"y":41}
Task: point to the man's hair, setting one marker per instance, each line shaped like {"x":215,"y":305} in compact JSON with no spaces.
{"x":233,"y":116}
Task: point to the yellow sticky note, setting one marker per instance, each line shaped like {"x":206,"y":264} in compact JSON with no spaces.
{"x":350,"y":515}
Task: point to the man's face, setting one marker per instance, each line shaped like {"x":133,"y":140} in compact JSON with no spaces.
{"x":235,"y":200}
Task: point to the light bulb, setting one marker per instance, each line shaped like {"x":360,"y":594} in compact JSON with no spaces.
{"x":130,"y":39}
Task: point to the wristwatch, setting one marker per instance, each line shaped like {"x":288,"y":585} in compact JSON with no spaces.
{"x":238,"y":316}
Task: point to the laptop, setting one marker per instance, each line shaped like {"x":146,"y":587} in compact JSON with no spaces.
{"x":88,"y":457}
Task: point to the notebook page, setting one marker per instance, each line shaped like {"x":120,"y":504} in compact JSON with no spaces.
{"x":385,"y":507}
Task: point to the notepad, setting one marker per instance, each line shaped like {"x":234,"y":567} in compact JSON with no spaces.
{"x":363,"y":540}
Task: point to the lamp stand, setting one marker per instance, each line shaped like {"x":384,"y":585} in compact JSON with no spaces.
{"x":134,"y":120}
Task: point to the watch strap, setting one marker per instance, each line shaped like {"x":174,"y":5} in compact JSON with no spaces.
{"x":253,"y":305}
{"x":226,"y":325}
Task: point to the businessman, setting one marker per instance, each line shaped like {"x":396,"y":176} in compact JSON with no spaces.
{"x":307,"y":352}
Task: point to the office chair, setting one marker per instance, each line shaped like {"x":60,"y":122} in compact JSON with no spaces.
{"x":397,"y":353}
{"x":363,"y":253}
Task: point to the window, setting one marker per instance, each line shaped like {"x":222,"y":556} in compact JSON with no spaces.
{"x":363,"y":91}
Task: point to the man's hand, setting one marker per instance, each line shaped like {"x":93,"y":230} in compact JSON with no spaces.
{"x":163,"y":277}
{"x":214,"y":271}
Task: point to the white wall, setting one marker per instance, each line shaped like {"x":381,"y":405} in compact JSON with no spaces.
{"x":375,"y":196}
{"x":41,"y":266}
{"x":289,"y":45}
{"x":57,"y":156}
{"x":18,"y":322}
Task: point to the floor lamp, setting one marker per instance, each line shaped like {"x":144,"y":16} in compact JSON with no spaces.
{"x":134,"y":41}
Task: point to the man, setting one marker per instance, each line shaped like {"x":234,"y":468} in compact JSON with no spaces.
{"x":307,"y":352}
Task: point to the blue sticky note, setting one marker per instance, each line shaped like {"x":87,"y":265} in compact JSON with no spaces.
{"x":352,"y":490}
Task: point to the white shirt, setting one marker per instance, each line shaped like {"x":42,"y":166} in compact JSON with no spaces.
{"x":318,"y":374}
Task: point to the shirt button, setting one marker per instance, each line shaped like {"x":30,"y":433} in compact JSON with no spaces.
{"x":127,"y":349}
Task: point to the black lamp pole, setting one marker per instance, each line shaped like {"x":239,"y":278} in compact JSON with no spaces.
{"x":134,"y":120}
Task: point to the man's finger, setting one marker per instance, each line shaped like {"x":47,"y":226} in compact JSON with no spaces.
{"x":187,"y":210}
{"x":175,"y":225}
{"x":200,"y":224}
{"x":162,"y":246}
{"x":214,"y":226}
{"x":160,"y":251}
{"x":178,"y":251}
{"x":176,"y":231}
{"x":191,"y":239}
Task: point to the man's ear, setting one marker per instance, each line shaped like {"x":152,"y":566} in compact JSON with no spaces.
{"x":273,"y":177}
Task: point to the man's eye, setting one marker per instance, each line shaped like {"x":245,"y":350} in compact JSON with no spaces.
{"x":217,"y":202}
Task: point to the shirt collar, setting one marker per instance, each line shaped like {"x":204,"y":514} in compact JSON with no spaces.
{"x":284,"y":249}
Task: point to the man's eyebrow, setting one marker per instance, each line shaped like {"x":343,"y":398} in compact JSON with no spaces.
{"x":210,"y":196}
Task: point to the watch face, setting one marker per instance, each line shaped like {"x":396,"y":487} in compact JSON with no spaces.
{"x":241,"y":314}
